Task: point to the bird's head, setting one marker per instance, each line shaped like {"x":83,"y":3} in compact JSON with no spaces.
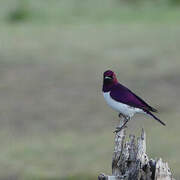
{"x":109,"y":79}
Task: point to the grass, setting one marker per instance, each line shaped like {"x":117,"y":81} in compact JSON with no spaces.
{"x":88,"y":12}
{"x":54,"y":123}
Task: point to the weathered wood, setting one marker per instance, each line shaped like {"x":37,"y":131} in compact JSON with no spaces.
{"x":130,"y":161}
{"x":162,"y":171}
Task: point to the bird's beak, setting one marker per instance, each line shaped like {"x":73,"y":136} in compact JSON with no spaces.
{"x":107,"y":77}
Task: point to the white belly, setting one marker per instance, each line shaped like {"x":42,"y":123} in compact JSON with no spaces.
{"x":120,"y":107}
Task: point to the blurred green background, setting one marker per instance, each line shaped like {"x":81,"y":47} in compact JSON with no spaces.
{"x":54,"y":123}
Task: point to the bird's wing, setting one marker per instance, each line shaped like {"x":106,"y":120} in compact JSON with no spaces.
{"x":122,"y":94}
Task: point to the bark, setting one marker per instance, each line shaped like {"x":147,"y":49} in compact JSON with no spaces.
{"x":130,"y":161}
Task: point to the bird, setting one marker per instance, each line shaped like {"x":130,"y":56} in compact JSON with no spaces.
{"x":123,"y":100}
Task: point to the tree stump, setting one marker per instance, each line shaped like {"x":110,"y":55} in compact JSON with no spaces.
{"x":130,"y":161}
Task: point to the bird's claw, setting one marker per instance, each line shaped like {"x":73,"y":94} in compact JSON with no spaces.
{"x":118,"y":129}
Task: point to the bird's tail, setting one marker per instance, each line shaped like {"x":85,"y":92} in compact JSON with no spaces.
{"x":157,"y":119}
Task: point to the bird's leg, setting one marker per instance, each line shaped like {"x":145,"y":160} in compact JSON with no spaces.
{"x":124,"y":116}
{"x":121,"y":115}
{"x":127,"y":118}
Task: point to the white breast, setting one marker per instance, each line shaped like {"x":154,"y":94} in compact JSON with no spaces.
{"x":120,"y":107}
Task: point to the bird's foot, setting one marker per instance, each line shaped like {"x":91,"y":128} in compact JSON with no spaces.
{"x":118,"y":129}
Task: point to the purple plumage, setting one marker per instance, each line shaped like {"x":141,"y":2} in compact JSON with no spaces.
{"x":124,"y":100}
{"x":122,"y":94}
